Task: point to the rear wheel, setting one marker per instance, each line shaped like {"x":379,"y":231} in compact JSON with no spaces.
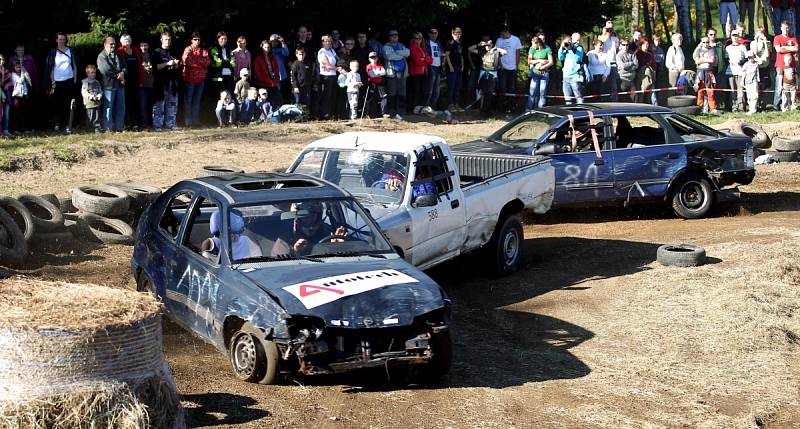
{"x":506,"y":246}
{"x":253,"y":360}
{"x":692,"y":197}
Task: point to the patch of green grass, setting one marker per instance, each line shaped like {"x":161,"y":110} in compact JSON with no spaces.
{"x":758,"y":118}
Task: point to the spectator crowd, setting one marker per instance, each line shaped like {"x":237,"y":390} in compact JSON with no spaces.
{"x":132,"y":86}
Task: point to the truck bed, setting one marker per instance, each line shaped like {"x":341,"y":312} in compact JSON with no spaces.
{"x":475,"y":168}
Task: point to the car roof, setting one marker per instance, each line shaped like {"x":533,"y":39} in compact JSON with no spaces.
{"x":375,"y":141}
{"x":253,"y":188}
{"x":604,"y":108}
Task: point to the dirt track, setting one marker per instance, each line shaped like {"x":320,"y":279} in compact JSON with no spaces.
{"x":591,"y":333}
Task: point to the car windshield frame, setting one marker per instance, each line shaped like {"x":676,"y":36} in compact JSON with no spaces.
{"x":368,"y":224}
{"x":497,"y":136}
{"x":374,"y":195}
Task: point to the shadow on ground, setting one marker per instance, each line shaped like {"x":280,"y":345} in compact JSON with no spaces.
{"x":212,"y":409}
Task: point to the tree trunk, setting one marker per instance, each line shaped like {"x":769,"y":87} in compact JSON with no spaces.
{"x":709,"y":22}
{"x":698,"y":19}
{"x":648,"y":29}
{"x":634,"y":15}
{"x":676,"y":23}
{"x":660,"y":8}
{"x":767,"y":11}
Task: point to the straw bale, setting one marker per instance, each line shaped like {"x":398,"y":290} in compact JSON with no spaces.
{"x":34,"y":305}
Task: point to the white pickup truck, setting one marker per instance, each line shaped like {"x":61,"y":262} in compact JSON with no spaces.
{"x":434,"y":204}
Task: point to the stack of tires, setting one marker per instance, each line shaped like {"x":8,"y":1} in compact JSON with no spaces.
{"x":685,"y":104}
{"x":786,"y":149}
{"x":110,"y":212}
{"x":104,"y":213}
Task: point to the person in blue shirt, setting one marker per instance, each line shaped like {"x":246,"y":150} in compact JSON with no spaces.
{"x":571,"y":55}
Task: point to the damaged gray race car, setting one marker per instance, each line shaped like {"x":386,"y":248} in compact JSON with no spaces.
{"x":288,"y":273}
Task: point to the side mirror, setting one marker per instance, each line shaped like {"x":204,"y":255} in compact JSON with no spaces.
{"x":547,"y":149}
{"x":426,"y":200}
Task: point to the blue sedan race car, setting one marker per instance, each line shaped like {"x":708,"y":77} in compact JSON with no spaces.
{"x":622,"y":153}
{"x":288,"y":273}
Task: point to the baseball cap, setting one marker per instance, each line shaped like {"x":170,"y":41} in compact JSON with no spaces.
{"x":274,"y":37}
{"x":244,"y":72}
{"x":262,"y":91}
{"x":373,"y":55}
{"x":394,"y":33}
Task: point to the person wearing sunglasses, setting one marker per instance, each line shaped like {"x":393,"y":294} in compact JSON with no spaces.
{"x":113,"y":73}
{"x":627,"y":65}
{"x":195,"y":65}
{"x":705,"y":57}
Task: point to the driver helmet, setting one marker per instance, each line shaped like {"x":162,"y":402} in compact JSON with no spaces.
{"x":308,"y":216}
{"x":237,"y":223}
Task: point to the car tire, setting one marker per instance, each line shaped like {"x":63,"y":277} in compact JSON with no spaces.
{"x":681,"y":255}
{"x":756,"y":133}
{"x":52,"y":240}
{"x":52,"y":199}
{"x":109,"y":231}
{"x":145,"y":284}
{"x":101,"y":200}
{"x":141,"y":195}
{"x":252,"y":359}
{"x":785,"y":156}
{"x":681,"y":101}
{"x":218,"y":170}
{"x":786,"y":145}
{"x":505,"y":246}
{"x":21,"y":215}
{"x":13,"y":246}
{"x":442,"y":355}
{"x":65,"y":204}
{"x":46,"y":216}
{"x":692,"y":196}
{"x":688,"y":111}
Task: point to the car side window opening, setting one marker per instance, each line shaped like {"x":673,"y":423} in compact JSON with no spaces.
{"x":433,"y":176}
{"x":688,"y":131}
{"x":580,"y":127}
{"x":199,"y":227}
{"x":311,"y":163}
{"x":637,"y":131}
{"x":174,"y":213}
{"x":528,"y":130}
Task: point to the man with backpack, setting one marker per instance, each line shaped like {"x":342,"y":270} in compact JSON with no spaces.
{"x":489,"y":56}
{"x":574,"y":68}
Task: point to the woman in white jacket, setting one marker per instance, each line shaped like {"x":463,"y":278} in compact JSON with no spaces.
{"x":598,"y":69}
{"x":675,"y":61}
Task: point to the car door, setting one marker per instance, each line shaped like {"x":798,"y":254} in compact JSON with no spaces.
{"x":582,"y":177}
{"x":171,"y":225}
{"x":199,"y":282}
{"x":645,"y":156}
{"x":438,"y":228}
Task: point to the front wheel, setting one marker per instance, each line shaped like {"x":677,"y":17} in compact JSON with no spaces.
{"x":253,"y":360}
{"x":506,"y":246}
{"x":693,"y":197}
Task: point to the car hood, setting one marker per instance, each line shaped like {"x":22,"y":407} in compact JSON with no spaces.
{"x":484,"y":146}
{"x":352,"y":294}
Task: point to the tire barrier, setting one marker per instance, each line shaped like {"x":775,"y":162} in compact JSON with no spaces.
{"x":78,"y":355}
{"x":50,"y":222}
{"x":218,"y":170}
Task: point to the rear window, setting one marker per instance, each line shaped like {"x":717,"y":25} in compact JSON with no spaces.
{"x":272,"y":184}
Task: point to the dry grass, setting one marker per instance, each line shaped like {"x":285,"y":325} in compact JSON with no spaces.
{"x":28,"y":304}
{"x":723,"y":337}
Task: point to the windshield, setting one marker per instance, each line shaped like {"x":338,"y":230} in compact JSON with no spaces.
{"x":303,"y":229}
{"x":522,"y":133}
{"x":374,"y":177}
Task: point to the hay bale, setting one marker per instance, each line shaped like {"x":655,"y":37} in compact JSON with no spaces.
{"x":75,"y":355}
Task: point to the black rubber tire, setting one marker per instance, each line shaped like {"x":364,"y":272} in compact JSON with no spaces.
{"x":681,"y":255}
{"x":141,"y":195}
{"x":21,"y":215}
{"x":785,"y":156}
{"x":505,"y":246}
{"x":688,"y":111}
{"x":253,"y":359}
{"x":101,"y":200}
{"x":145,"y":284}
{"x":786,"y":145}
{"x":681,"y":101}
{"x":758,"y":152}
{"x":46,"y":216}
{"x":52,"y":199}
{"x":692,"y":196}
{"x":65,"y":204}
{"x":123,"y":233}
{"x":77,"y":226}
{"x":756,"y":133}
{"x":218,"y":170}
{"x":13,"y":247}
{"x":53,"y":240}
